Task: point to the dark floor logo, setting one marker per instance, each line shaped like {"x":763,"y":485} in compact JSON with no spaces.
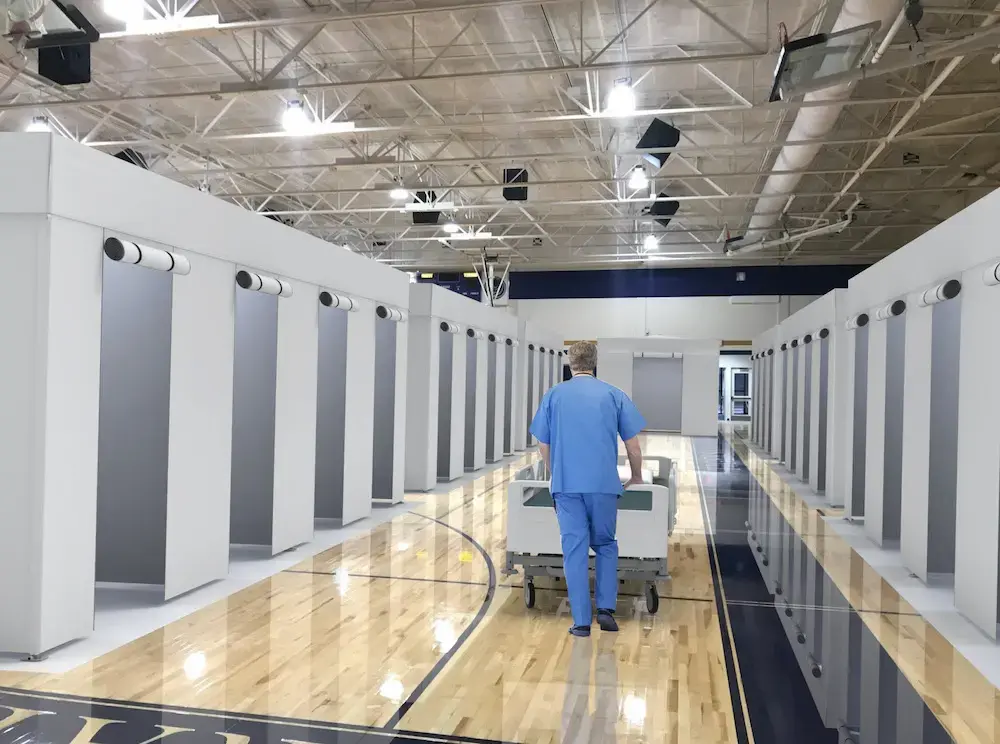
{"x":43,"y":718}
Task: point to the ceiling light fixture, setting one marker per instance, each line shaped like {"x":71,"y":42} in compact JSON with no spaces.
{"x":420,"y":206}
{"x":399,"y":193}
{"x":650,"y":243}
{"x":126,"y":11}
{"x":296,"y":120}
{"x":638,"y":180}
{"x":450,"y":227}
{"x":621,"y":99}
{"x":39,"y":124}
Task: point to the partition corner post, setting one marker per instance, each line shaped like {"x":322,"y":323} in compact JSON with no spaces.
{"x":978,"y":442}
{"x":915,"y":511}
{"x":359,"y":402}
{"x":399,"y":431}
{"x":49,"y":431}
{"x":422,"y":390}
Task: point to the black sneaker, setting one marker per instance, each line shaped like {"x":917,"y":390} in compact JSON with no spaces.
{"x":607,"y":621}
{"x":580,"y":631}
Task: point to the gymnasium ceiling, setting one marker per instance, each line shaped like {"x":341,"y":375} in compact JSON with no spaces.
{"x":444,"y":97}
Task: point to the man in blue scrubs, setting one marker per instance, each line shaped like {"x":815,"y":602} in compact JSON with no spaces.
{"x":577,"y":426}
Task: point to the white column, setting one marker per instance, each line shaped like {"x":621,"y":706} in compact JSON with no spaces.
{"x":48,"y":431}
{"x":875,"y":430}
{"x":424,"y":351}
{"x":800,"y":409}
{"x":778,"y":399}
{"x":500,"y":349}
{"x":978,"y":487}
{"x":479,"y":454}
{"x":359,"y":402}
{"x":815,"y":349}
{"x":295,"y":418}
{"x":916,"y":439}
{"x":399,"y":430}
{"x":788,"y":441}
{"x":456,"y":462}
{"x":201,"y":416}
{"x":843,"y":462}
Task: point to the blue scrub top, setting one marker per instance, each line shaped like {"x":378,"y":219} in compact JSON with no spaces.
{"x":581,"y":420}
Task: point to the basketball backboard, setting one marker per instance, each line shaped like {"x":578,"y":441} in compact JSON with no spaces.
{"x":804,"y":63}
{"x":45,"y":23}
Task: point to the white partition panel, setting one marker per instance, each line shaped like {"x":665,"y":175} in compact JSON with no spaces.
{"x":817,"y":426}
{"x":916,"y":438}
{"x":511,"y":361}
{"x":801,"y":393}
{"x":422,"y":401}
{"x":874,"y":473}
{"x":789,"y":394}
{"x":499,"y":393}
{"x":51,"y":379}
{"x":483,"y":350}
{"x":201,"y":412}
{"x":778,"y":399}
{"x":359,"y":399}
{"x":699,"y":417}
{"x":459,"y":372}
{"x":398,"y":464}
{"x":295,"y":419}
{"x":978,"y":480}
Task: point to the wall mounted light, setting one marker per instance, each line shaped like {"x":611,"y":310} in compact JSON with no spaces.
{"x":343,"y":302}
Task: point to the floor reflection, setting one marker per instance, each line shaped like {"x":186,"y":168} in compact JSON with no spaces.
{"x":811,"y":668}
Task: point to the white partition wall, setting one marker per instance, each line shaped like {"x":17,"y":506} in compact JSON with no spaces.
{"x":475,"y":399}
{"x":977,"y":553}
{"x":929,"y":454}
{"x":66,"y":200}
{"x":389,"y":423}
{"x":644,"y":368}
{"x":341,"y":326}
{"x":884,"y":427}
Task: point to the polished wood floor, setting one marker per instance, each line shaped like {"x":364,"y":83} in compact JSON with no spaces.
{"x":399,"y":627}
{"x":351,"y":634}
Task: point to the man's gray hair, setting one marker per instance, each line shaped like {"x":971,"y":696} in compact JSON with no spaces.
{"x":583,"y":357}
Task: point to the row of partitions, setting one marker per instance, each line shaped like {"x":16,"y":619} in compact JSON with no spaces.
{"x":233,"y":410}
{"x":476,"y":375}
{"x":878,"y":397}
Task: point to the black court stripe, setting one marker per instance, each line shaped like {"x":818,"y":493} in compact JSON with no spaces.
{"x":728,"y":652}
{"x":10,"y":694}
{"x":387,"y":577}
{"x":450,"y":653}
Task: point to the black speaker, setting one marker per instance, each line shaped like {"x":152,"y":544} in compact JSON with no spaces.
{"x":65,"y":65}
{"x":515,"y":193}
{"x":425,"y":218}
{"x":663,"y":211}
{"x":659,"y":134}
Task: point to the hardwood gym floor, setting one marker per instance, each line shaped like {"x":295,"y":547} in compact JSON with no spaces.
{"x":410,"y":633}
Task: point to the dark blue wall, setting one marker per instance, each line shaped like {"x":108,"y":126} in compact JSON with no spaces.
{"x":699,"y":282}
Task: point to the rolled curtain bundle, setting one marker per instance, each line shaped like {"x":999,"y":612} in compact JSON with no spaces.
{"x":126,"y":251}
{"x":330,"y":299}
{"x":390,"y":313}
{"x":263,"y":283}
{"x":898,"y":307}
{"x":945,"y":291}
{"x":449,"y":327}
{"x":473,"y":333}
{"x":991,"y":277}
{"x":858,"y":321}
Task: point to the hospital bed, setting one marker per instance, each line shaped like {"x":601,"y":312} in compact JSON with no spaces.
{"x":646,"y":516}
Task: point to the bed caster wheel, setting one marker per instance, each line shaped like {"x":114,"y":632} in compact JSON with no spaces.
{"x":529,"y":594}
{"x":652,"y":599}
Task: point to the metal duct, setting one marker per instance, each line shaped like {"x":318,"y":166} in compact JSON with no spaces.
{"x":816,"y":122}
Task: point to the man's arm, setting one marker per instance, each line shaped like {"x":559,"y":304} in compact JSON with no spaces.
{"x":543,"y":449}
{"x":634,"y":453}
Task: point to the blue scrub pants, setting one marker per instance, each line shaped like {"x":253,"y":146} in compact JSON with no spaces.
{"x":589,"y":520}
